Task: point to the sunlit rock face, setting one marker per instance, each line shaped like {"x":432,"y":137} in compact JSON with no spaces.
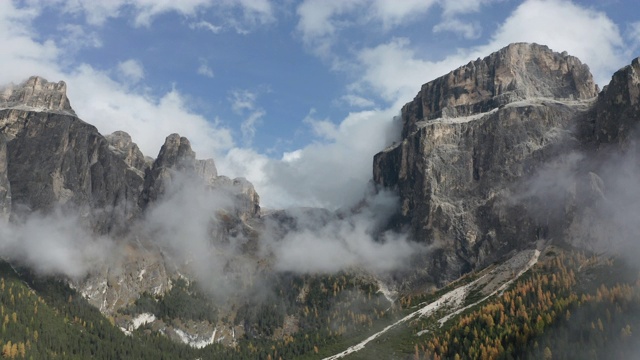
{"x":469,"y":139}
{"x":37,"y":94}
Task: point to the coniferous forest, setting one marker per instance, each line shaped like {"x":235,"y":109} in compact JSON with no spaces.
{"x":565,"y":307}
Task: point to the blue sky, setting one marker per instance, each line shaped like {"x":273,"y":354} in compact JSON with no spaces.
{"x":297,"y":96}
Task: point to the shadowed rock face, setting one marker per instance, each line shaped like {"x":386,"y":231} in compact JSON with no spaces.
{"x":59,"y":160}
{"x":614,"y":119}
{"x":469,"y":138}
{"x":121,"y":144}
{"x":5,"y":186}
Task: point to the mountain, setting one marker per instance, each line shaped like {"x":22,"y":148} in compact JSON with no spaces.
{"x":475,"y":140}
{"x":515,"y":178}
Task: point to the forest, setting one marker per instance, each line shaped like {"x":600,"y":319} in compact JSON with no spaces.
{"x":565,"y":307}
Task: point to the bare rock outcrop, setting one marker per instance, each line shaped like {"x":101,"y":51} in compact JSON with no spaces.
{"x":517,"y":72}
{"x":121,"y":144}
{"x":469,"y":137}
{"x":5,"y":185}
{"x":614,"y":119}
{"x":57,"y":160}
{"x":37,"y":94}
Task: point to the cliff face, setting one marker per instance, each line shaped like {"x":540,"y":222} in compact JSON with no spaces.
{"x":5,"y":185}
{"x":37,"y":94}
{"x":614,"y":119}
{"x":56,"y":159}
{"x":517,"y":72}
{"x":469,"y":137}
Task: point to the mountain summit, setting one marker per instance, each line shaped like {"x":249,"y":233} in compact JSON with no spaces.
{"x":37,"y":94}
{"x":473,"y":139}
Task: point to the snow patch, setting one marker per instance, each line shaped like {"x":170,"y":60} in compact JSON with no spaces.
{"x":144,"y":318}
{"x":194,"y":341}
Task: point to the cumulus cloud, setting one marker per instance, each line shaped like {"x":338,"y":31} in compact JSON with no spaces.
{"x":113,"y":106}
{"x":332,"y":173}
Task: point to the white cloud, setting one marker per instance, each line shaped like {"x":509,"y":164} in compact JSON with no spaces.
{"x":393,"y":71}
{"x":249,"y":124}
{"x":243,"y":102}
{"x":633,"y":33}
{"x":331,"y":173}
{"x":216,"y":29}
{"x":394,"y":13}
{"x":466,"y":29}
{"x":97,"y":12}
{"x":357,"y":101}
{"x":131,"y":70}
{"x":452,"y":8}
{"x":205,"y":70}
{"x":320,"y":21}
{"x":76,"y":37}
{"x":112,"y":106}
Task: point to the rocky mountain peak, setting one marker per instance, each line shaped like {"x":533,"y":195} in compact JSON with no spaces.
{"x":121,"y":144}
{"x":615,"y":117}
{"x":176,"y":152}
{"x":520,"y":71}
{"x":37,"y":94}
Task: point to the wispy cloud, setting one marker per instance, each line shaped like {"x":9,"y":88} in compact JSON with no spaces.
{"x":202,"y":24}
{"x":131,"y":70}
{"x":204,"y":69}
{"x":243,"y":102}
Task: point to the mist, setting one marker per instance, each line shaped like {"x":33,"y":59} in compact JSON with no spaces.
{"x":356,"y":240}
{"x":594,"y":194}
{"x":57,"y":243}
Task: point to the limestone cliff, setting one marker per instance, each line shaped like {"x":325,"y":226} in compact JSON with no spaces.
{"x":37,"y":94}
{"x":56,"y":159}
{"x":121,"y":144}
{"x":468,"y":138}
{"x":5,"y":186}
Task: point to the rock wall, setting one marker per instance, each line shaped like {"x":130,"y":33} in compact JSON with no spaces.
{"x":37,"y":94}
{"x":469,"y":138}
{"x":517,"y":72}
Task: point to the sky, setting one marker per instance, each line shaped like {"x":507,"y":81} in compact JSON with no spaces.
{"x":296,"y":96}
